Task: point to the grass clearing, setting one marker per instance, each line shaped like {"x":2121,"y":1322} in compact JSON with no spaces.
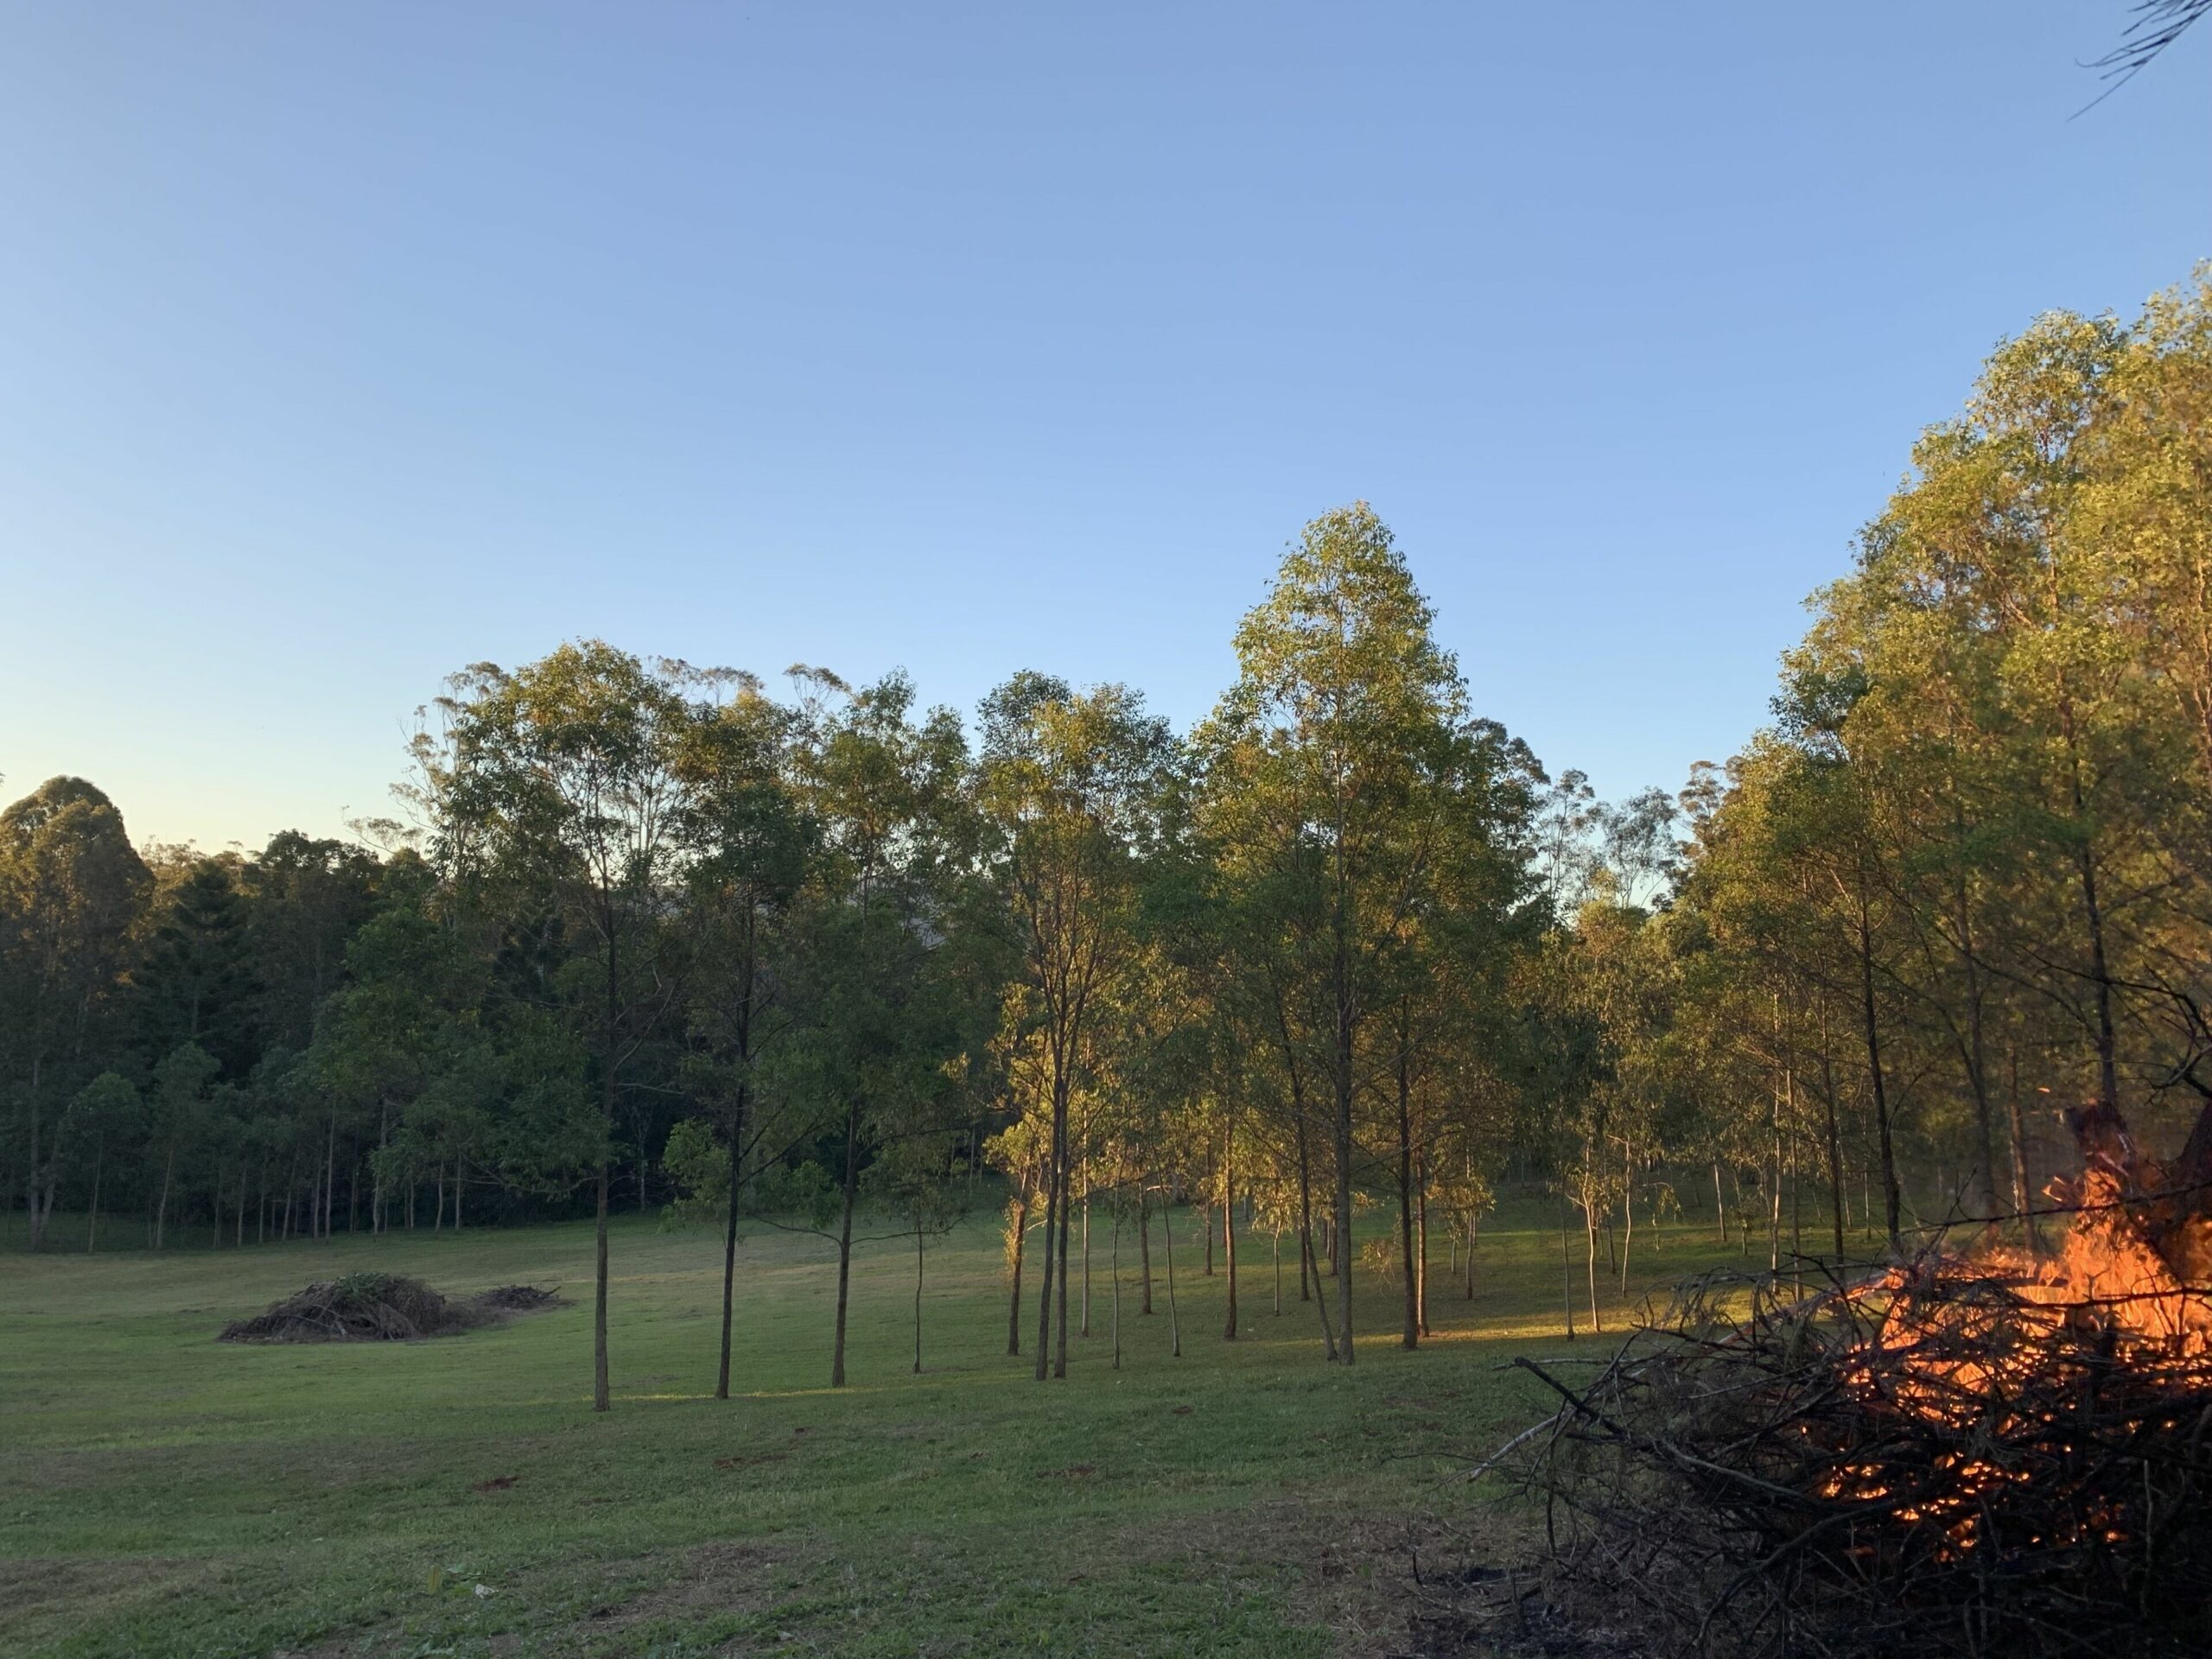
{"x":163,"y":1493}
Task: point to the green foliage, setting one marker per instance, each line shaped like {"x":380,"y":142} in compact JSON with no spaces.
{"x":200,"y":982}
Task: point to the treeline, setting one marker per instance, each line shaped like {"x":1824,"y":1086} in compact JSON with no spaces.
{"x":1964,"y":879}
{"x":654,"y":935}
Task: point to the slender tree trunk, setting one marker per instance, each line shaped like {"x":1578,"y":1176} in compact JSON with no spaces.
{"x":1117,"y":1280}
{"x":1796,"y":1217}
{"x":1304,"y":1203}
{"x":92,"y":1221}
{"x":1566,"y":1265}
{"x":1278,"y":1248}
{"x":1307,"y":1278}
{"x":2092,"y":913}
{"x":1174,"y":1325}
{"x":1421,"y":1245}
{"x":1229,"y":1222}
{"x":1340,"y":1227}
{"x":1976,"y":1060}
{"x":918,"y":1293}
{"x":1589,"y":1260}
{"x":845,"y":1240}
{"x":1014,"y":1304}
{"x":1057,"y":1148}
{"x":1320,"y":1303}
{"x":1086,"y":1237}
{"x":1144,"y":1249}
{"x":2019,"y":1139}
{"x":161,"y":1209}
{"x":602,"y":1397}
{"x":1061,"y":1312}
{"x":1628,"y":1212}
{"x":1834,"y":1139}
{"x":1409,"y":1333}
{"x":1774,"y":1199}
{"x":611,"y":1035}
{"x":729,"y":1238}
{"x":330,"y":1178}
{"x":1892,"y":1203}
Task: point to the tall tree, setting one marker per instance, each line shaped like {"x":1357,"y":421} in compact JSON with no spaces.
{"x":1071,"y":783}
{"x":751,"y":846}
{"x":885,"y":1006}
{"x":70,"y":889}
{"x":565,"y":775}
{"x":1323,"y":765}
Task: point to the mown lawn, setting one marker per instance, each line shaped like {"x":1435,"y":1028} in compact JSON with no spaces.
{"x":162,"y":1493}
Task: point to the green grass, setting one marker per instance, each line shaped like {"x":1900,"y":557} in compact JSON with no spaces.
{"x":162,"y":1493}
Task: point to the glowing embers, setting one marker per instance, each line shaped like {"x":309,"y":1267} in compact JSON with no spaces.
{"x":1957,"y":1454}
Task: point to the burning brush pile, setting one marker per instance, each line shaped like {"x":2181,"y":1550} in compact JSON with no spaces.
{"x":1970,"y":1454}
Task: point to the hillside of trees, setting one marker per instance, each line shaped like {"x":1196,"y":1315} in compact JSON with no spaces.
{"x":654,"y":937}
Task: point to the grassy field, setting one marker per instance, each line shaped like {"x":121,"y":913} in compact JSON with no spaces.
{"x":162,"y":1493}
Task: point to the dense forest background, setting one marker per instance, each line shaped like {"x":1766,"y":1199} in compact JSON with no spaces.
{"x":651,"y":935}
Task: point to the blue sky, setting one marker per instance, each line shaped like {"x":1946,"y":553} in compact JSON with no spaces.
{"x":347,"y":344}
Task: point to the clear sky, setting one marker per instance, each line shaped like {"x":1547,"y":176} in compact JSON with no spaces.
{"x":348,"y":344}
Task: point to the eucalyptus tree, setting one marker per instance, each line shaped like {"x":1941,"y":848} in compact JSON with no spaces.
{"x":1473,"y":908}
{"x":1993,"y":516}
{"x":1332,"y":773}
{"x":1217,"y":1046}
{"x":2145,"y":503}
{"x":1071,"y":784}
{"x":1018,"y":1151}
{"x":751,"y":843}
{"x":1790,"y":878}
{"x":886,"y":971}
{"x":71,"y":890}
{"x":921,"y":1179}
{"x":1268,"y":916}
{"x":565,"y":776}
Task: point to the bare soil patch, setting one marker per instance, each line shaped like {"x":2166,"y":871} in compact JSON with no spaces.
{"x":721,"y":1577}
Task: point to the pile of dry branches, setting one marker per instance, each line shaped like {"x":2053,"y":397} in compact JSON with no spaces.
{"x":1956,"y":1456}
{"x":519,"y":1299}
{"x":381,"y":1307}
